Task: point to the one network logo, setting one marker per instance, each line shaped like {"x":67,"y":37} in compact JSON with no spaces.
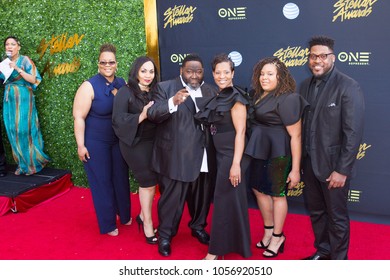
{"x":238,"y":13}
{"x":355,"y":58}
{"x":178,"y":58}
{"x":354,"y":195}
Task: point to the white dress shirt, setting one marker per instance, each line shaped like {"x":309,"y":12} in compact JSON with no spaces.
{"x":173,"y":108}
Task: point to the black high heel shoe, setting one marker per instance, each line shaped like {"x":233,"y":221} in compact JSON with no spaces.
{"x":280,"y":250}
{"x":262,"y":245}
{"x":139,"y":222}
{"x":150,"y":240}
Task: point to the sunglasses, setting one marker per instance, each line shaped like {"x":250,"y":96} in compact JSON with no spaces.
{"x":103,"y":63}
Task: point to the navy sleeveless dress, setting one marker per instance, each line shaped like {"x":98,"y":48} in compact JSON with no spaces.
{"x":106,"y":170}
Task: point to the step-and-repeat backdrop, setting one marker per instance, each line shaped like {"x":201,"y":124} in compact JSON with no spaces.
{"x":254,"y":29}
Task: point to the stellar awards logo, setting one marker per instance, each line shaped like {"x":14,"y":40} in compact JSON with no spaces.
{"x":362,"y":151}
{"x":179,"y":14}
{"x":292,"y":56}
{"x":351,"y":9}
{"x":297,"y":190}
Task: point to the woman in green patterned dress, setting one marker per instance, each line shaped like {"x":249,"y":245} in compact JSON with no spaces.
{"x":19,"y":111}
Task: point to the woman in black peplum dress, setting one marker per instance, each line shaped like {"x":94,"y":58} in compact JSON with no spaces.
{"x":226,"y":113}
{"x":136,"y":135}
{"x":275,"y":146}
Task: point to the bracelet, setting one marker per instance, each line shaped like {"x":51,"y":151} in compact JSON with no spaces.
{"x":20,"y":72}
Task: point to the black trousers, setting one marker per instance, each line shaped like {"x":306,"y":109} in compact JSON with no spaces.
{"x":174,"y":194}
{"x":328,"y":213}
{"x":2,"y":153}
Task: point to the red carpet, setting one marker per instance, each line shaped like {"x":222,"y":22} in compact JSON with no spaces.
{"x":66,"y":229}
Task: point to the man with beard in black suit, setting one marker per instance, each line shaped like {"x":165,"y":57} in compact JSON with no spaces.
{"x":179,"y":155}
{"x":332,"y":133}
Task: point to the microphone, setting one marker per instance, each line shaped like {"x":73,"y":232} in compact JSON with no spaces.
{"x":7,"y":55}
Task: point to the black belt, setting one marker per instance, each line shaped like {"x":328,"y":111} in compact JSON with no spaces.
{"x":214,"y":129}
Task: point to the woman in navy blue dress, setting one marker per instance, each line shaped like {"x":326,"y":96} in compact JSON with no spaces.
{"x":98,"y":146}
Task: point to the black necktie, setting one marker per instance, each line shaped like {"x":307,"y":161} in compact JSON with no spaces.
{"x":316,"y":88}
{"x":190,"y":104}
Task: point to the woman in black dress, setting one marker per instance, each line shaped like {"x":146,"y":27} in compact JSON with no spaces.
{"x":136,"y":135}
{"x":275,"y":145}
{"x":226,"y":113}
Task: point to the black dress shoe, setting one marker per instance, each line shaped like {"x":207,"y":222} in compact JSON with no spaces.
{"x":3,"y":173}
{"x":164,"y":247}
{"x":316,"y":257}
{"x":201,"y":235}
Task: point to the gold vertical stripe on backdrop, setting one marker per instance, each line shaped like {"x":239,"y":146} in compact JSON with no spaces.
{"x":151,"y":30}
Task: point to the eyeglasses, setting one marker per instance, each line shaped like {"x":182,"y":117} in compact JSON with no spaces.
{"x":322,"y":56}
{"x":103,"y":63}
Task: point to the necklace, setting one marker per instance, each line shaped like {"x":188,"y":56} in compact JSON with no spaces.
{"x":15,"y":59}
{"x":264,"y":95}
{"x":143,"y":87}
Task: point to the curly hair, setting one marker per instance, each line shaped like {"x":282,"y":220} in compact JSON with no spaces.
{"x":285,"y":81}
{"x":107,"y":48}
{"x":321,"y":41}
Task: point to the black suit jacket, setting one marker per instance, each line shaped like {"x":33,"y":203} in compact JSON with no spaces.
{"x":337,"y":125}
{"x":179,"y":143}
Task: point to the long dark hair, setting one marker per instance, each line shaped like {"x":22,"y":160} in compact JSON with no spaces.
{"x":286,"y":82}
{"x":132,"y":81}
